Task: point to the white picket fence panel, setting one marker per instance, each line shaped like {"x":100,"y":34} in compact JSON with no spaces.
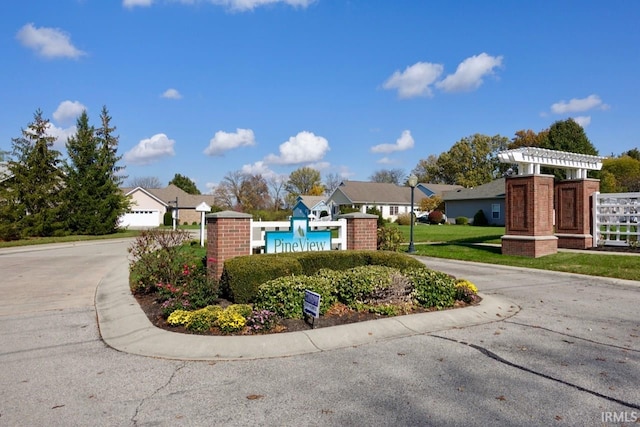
{"x":616,"y":219}
{"x":259,"y":228}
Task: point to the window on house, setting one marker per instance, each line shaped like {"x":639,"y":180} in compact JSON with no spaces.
{"x":393,"y":210}
{"x":495,"y":211}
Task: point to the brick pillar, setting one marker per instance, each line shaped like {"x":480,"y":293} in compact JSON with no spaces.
{"x":573,"y":212}
{"x":529,"y":216}
{"x":228,"y":236}
{"x":362,"y":231}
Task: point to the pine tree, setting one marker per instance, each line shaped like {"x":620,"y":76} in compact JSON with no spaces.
{"x":94,"y":200}
{"x":82,"y":177}
{"x":31,"y":198}
{"x":112,"y":202}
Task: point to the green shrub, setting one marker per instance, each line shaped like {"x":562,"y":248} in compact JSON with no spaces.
{"x":398,"y":260}
{"x":312,"y":262}
{"x":241,"y":276}
{"x":479,"y":219}
{"x":462,"y":220}
{"x":375,"y":211}
{"x":432,"y":289}
{"x":389,"y":238}
{"x":284,"y":296}
{"x":167,"y":219}
{"x":357,"y":284}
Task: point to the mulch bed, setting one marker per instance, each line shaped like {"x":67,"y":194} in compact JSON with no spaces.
{"x":337,"y":315}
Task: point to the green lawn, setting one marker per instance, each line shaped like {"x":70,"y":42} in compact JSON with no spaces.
{"x":460,"y":242}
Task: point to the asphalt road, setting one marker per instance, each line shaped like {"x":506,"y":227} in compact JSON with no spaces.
{"x":570,"y":356}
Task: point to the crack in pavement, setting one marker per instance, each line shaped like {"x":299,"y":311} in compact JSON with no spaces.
{"x":573,"y":336}
{"x":163,"y":386}
{"x":499,"y":359}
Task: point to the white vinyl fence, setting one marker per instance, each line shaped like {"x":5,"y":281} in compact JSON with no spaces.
{"x":258,"y":229}
{"x":616,"y":219}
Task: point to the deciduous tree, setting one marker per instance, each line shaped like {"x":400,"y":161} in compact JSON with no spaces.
{"x":389,"y":176}
{"x":144,"y":182}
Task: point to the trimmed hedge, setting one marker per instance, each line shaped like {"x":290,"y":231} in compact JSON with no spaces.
{"x":242,"y":276}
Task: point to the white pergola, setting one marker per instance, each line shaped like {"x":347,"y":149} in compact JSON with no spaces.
{"x":529,"y":160}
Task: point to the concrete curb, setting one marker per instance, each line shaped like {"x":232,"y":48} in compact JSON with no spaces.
{"x":125,"y":327}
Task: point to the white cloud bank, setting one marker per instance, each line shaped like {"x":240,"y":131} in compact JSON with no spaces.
{"x":223,"y":141}
{"x":151,"y":150}
{"x":233,"y":5}
{"x":576,"y":105}
{"x":305,"y":147}
{"x":68,"y":111}
{"x":171,"y":94}
{"x":415,"y":80}
{"x":48,"y":42}
{"x":419,"y":78}
{"x":135,"y":3}
{"x":405,"y":142}
{"x":470,"y":73}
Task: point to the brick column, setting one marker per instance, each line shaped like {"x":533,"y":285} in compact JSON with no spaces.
{"x":573,"y":212}
{"x":228,"y":236}
{"x":529,"y":216}
{"x":362,"y":231}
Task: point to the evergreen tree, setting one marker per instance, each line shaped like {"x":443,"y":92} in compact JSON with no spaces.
{"x":82,"y":177}
{"x":93,"y":199}
{"x":31,"y":198}
{"x":112,"y":203}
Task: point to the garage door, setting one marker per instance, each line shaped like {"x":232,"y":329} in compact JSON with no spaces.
{"x":140,"y":219}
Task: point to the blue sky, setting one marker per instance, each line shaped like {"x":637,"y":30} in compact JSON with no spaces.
{"x":207,"y":87}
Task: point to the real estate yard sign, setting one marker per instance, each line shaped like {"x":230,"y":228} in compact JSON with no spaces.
{"x":298,"y":239}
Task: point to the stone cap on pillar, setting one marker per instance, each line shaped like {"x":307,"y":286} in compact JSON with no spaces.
{"x":229,"y":214}
{"x":529,"y":160}
{"x":357,"y":215}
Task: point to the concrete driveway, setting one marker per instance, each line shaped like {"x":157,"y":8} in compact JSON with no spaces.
{"x":570,"y":356}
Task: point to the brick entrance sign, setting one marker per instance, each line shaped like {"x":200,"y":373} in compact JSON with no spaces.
{"x":229,"y":236}
{"x":531,"y":228}
{"x":529,"y":216}
{"x":574,"y":211}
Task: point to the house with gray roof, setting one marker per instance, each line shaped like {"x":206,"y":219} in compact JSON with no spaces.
{"x":465,"y":202}
{"x":148,"y":206}
{"x":390,"y":199}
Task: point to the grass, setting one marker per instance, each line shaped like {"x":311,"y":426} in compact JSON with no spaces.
{"x":67,"y":239}
{"x":460,"y":242}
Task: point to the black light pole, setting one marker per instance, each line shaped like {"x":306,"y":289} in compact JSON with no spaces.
{"x":413,"y":181}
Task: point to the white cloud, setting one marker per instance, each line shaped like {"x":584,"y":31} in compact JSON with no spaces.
{"x":223,"y":141}
{"x":248,"y":5}
{"x":469,"y":74}
{"x":258,"y":168}
{"x":133,"y":3}
{"x":60,"y":134}
{"x":577,"y":105}
{"x":68,"y":111}
{"x":171,"y":94}
{"x":415,"y":80}
{"x":305,"y":147}
{"x":405,"y":142}
{"x":583,"y":121}
{"x":320,"y":166}
{"x":151,"y":150}
{"x":385,"y":161}
{"x":48,"y":42}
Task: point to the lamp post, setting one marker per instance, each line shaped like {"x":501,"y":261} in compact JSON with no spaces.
{"x":413,"y":181}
